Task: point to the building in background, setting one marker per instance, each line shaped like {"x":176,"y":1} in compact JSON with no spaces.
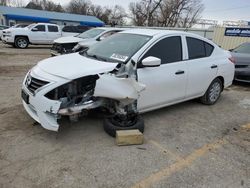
{"x":10,"y":16}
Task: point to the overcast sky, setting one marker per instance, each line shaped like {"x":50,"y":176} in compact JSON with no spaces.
{"x":214,"y":9}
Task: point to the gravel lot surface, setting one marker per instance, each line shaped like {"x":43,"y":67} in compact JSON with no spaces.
{"x":186,"y":145}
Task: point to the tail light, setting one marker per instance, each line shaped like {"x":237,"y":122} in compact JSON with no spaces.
{"x":232,"y":59}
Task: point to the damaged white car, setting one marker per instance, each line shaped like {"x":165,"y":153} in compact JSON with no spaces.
{"x":129,"y":73}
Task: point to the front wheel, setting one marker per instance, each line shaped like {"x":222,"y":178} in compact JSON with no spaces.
{"x":213,"y":92}
{"x":111,"y":125}
{"x":21,"y":42}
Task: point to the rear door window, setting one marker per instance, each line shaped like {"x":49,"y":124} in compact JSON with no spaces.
{"x":198,"y":48}
{"x":52,"y":28}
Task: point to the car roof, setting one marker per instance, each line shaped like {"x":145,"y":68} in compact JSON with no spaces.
{"x":161,"y":32}
{"x":153,"y":32}
{"x":43,"y":23}
{"x":112,"y":28}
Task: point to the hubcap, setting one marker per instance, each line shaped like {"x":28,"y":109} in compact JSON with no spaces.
{"x":214,"y":92}
{"x":22,"y":43}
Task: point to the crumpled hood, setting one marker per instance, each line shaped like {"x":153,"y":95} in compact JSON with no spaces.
{"x":74,"y":66}
{"x":69,"y":39}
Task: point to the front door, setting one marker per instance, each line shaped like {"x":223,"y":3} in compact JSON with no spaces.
{"x":165,"y":84}
{"x":38,"y":34}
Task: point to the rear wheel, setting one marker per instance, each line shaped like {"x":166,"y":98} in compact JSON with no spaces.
{"x":111,"y":125}
{"x":213,"y":92}
{"x":21,"y":42}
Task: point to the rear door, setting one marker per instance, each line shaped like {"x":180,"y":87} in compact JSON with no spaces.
{"x":165,"y":84}
{"x":202,"y":68}
{"x":53,"y":33}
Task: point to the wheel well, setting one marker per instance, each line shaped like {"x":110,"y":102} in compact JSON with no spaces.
{"x":222,"y":81}
{"x":22,"y":36}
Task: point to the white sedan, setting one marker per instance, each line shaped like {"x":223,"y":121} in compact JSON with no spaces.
{"x":132,"y":72}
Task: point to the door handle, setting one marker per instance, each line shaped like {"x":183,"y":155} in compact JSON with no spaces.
{"x":214,"y":66}
{"x":180,"y":72}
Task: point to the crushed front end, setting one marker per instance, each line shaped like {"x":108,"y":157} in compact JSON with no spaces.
{"x":62,"y":48}
{"x":47,"y":98}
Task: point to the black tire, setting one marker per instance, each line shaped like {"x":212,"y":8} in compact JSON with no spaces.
{"x":213,"y":92}
{"x":21,"y":42}
{"x":111,"y":126}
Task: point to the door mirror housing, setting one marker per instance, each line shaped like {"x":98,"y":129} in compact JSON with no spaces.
{"x":34,"y":29}
{"x":100,"y":38}
{"x":151,"y":62}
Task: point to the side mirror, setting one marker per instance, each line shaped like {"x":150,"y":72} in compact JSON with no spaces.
{"x":151,"y":62}
{"x":34,"y":29}
{"x":101,"y":38}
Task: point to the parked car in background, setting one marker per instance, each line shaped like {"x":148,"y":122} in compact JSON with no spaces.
{"x":2,"y":27}
{"x":241,"y":55}
{"x":74,"y":30}
{"x":131,"y":72}
{"x":66,"y":45}
{"x":39,"y":33}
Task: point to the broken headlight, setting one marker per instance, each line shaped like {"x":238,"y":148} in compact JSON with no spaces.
{"x":75,"y":92}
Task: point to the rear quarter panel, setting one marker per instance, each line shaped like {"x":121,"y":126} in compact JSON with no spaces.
{"x":226,"y":68}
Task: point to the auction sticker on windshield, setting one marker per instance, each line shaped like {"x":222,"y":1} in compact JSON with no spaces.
{"x":119,"y":57}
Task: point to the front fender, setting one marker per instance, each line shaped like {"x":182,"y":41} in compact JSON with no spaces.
{"x":125,"y":90}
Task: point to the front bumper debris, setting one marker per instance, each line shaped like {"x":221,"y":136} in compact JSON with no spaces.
{"x":40,"y":108}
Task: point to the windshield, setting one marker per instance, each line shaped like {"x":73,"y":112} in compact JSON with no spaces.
{"x":90,"y":33}
{"x":31,"y":25}
{"x":244,"y":48}
{"x":119,"y":47}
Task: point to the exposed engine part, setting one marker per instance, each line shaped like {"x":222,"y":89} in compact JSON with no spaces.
{"x":79,"y":108}
{"x":126,"y":70}
{"x":74,"y":93}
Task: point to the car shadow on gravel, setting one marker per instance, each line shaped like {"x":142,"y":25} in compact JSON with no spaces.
{"x":39,"y":47}
{"x":242,"y":85}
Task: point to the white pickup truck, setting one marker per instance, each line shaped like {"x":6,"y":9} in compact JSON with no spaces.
{"x":39,"y":33}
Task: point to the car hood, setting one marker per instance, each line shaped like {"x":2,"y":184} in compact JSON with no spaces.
{"x":16,"y":29}
{"x":69,"y":39}
{"x":241,"y":59}
{"x":73,"y":66}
